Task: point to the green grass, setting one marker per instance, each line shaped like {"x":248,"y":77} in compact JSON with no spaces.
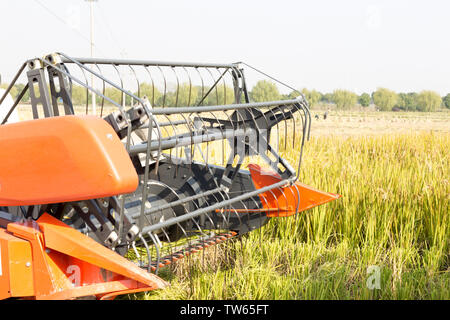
{"x":394,"y":214}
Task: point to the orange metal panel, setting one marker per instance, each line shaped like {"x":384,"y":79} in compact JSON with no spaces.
{"x":106,"y":290}
{"x":284,"y":202}
{"x":68,"y":264}
{"x":61,"y":159}
{"x":111,"y":296}
{"x":64,"y":239}
{"x":43,"y":278}
{"x":16,"y":271}
{"x":4,"y":265}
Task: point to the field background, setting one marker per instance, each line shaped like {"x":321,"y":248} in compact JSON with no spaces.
{"x":392,"y":170}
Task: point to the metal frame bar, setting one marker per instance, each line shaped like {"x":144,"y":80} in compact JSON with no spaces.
{"x":66,"y":59}
{"x":159,"y":111}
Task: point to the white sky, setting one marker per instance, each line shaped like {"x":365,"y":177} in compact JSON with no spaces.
{"x":323,"y":44}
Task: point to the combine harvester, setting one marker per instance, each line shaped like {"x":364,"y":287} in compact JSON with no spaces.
{"x":95,"y":200}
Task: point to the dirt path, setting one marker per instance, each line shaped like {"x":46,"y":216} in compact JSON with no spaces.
{"x":362,"y":123}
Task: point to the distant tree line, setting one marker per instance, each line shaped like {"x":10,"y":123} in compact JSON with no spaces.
{"x":383,"y":99}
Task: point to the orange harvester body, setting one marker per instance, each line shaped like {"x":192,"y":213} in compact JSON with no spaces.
{"x":84,"y":192}
{"x":62,"y":159}
{"x":47,"y":259}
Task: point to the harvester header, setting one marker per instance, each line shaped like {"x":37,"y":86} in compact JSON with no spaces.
{"x":168,"y":158}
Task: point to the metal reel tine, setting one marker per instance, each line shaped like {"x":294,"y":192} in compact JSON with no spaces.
{"x":214,"y":85}
{"x":122,"y":102}
{"x":137,"y":82}
{"x":153,"y":85}
{"x":165,"y":86}
{"x":190,"y":85}
{"x":156,"y":245}
{"x":177,"y":91}
{"x":87,"y":90}
{"x":149,"y":269}
{"x":103,"y":90}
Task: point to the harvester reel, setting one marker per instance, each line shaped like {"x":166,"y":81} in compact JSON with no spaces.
{"x":159,"y":195}
{"x":162,"y":176}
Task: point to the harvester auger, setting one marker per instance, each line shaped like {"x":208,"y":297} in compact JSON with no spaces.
{"x":173,"y":158}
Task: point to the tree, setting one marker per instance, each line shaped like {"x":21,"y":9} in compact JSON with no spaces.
{"x":428,"y":101}
{"x":446,"y":101}
{"x":13,"y":92}
{"x":19,"y":87}
{"x":293,"y":95}
{"x":181,"y":96}
{"x":218,"y":96}
{"x":79,"y":95}
{"x":312,"y":96}
{"x":327,"y":98}
{"x":150,"y":91}
{"x":16,"y":90}
{"x":384,"y":99}
{"x":265,"y":91}
{"x":115,"y":95}
{"x":364,"y":99}
{"x":344,"y":99}
{"x":407,"y":101}
{"x":187,"y":95}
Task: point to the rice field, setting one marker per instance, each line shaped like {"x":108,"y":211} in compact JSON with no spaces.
{"x":386,"y":238}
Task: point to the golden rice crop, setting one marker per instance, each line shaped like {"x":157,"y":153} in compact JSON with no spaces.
{"x":393,"y":215}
